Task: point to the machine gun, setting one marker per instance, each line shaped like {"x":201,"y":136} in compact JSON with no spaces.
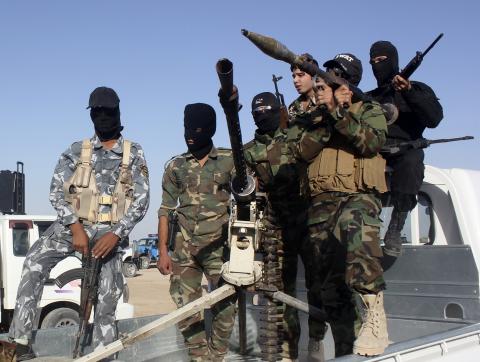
{"x":277,"y":50}
{"x":397,"y":147}
{"x":281,"y":102}
{"x":88,"y":273}
{"x":242,"y":272}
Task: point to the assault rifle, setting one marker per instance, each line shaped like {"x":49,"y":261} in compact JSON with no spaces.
{"x":88,"y":273}
{"x":277,"y":50}
{"x":411,"y":67}
{"x":413,"y":64}
{"x":397,"y":147}
{"x":281,"y":102}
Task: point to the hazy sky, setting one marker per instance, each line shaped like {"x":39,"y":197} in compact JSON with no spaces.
{"x":159,"y":56}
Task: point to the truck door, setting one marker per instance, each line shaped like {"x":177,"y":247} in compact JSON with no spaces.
{"x":21,"y":234}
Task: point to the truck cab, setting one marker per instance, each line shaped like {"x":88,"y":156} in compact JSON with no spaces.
{"x":59,"y":307}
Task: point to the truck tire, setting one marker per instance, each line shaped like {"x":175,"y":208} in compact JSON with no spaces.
{"x":60,"y":317}
{"x":144,"y":262}
{"x":129,"y":269}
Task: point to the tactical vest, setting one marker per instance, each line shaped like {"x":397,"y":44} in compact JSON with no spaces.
{"x":82,"y":193}
{"x":340,"y":169}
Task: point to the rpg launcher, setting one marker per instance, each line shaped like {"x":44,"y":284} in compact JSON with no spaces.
{"x":277,"y":50}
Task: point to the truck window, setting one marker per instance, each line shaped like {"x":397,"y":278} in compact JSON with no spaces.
{"x":21,"y":239}
{"x":426,"y":223}
{"x":42,"y":226}
{"x":426,"y":226}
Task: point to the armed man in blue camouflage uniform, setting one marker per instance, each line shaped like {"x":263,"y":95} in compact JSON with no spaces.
{"x":346,"y":176}
{"x":100,"y":190}
{"x":197,"y":185}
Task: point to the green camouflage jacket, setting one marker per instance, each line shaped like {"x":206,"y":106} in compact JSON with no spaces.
{"x":201,"y":195}
{"x":298,"y":117}
{"x":281,"y":176}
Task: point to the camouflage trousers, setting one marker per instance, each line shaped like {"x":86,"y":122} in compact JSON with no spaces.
{"x":291,"y":238}
{"x":345,"y":252}
{"x":54,"y":246}
{"x":190,"y":263}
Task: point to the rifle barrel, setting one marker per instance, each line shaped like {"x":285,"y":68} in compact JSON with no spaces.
{"x":432,"y":45}
{"x":228,"y":92}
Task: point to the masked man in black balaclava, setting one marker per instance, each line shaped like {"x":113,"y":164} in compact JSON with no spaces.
{"x":284,"y":180}
{"x":196,"y":185}
{"x":200,"y":125}
{"x":100,"y":190}
{"x":418,"y":108}
{"x":105,"y":113}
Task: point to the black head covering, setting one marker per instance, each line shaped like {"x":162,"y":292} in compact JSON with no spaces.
{"x":385,"y":70}
{"x":200,"y":122}
{"x":266,"y":112}
{"x":349,"y":65}
{"x":105,"y":113}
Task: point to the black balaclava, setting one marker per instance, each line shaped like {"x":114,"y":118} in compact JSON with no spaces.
{"x":200,"y":122}
{"x":106,"y":122}
{"x":105,"y":113}
{"x":385,"y":70}
{"x":266,"y":112}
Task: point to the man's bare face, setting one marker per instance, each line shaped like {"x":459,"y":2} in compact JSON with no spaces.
{"x":302,"y":81}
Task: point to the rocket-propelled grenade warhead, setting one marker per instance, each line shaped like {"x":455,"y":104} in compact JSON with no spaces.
{"x":273,"y":48}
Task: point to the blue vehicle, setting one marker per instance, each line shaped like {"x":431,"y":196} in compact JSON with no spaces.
{"x":145,"y":251}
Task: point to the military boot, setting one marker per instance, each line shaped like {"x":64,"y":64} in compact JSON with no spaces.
{"x":373,"y":336}
{"x":393,"y":239}
{"x":316,"y":350}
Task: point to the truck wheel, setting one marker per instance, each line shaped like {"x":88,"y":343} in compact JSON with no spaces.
{"x":129,"y":269}
{"x":144,"y":262}
{"x":61,"y":317}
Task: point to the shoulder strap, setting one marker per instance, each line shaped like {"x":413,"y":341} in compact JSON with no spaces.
{"x":127,"y":145}
{"x":86,"y":153}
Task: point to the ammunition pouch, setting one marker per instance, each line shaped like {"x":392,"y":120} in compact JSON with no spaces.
{"x":340,"y":170}
{"x":81,"y":189}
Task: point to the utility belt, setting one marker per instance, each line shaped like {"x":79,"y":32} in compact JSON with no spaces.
{"x":340,"y":170}
{"x":82,"y":193}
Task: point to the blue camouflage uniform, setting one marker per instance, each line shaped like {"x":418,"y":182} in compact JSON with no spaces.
{"x":56,"y":243}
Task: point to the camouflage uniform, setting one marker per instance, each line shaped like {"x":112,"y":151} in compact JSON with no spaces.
{"x":284,"y":181}
{"x":56,"y":243}
{"x":202,"y":195}
{"x":299,"y":117}
{"x":344,"y":226}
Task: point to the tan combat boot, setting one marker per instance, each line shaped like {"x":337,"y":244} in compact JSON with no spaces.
{"x":316,"y":350}
{"x":373,"y":336}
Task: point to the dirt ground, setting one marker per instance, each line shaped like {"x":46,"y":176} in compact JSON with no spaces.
{"x":149,"y":292}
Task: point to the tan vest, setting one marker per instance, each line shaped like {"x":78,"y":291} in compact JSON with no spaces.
{"x":82,"y":193}
{"x":336,"y":169}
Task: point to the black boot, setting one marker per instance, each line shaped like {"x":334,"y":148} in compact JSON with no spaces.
{"x":393,"y":240}
{"x":24,"y":352}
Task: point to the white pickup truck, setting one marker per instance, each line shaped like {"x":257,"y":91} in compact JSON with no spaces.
{"x":59,"y":307}
{"x":432,"y":298}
